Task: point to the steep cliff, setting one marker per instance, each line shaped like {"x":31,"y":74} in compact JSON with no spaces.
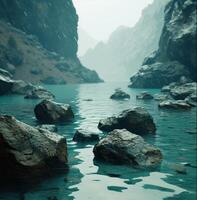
{"x":123,"y":53}
{"x":42,"y":37}
{"x":176,"y":55}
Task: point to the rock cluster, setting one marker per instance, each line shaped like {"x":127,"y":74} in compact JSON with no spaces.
{"x":120,"y":95}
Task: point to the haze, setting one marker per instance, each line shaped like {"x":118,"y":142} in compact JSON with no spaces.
{"x":101,"y":17}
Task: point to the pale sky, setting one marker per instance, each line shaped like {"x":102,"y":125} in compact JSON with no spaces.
{"x":101,"y":17}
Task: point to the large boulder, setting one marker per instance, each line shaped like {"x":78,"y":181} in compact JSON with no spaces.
{"x":160,"y":97}
{"x":120,"y":95}
{"x":26,"y":152}
{"x":124,"y":147}
{"x":48,"y":127}
{"x":51,"y":112}
{"x":175,"y":105}
{"x":183,"y":91}
{"x":136,"y":120}
{"x":82,"y":135}
{"x":39,"y":93}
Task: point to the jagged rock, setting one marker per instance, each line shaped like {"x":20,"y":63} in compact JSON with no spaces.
{"x":27,"y":152}
{"x":160,"y":97}
{"x":183,"y":91}
{"x":176,"y":56}
{"x":124,"y":147}
{"x":136,"y":120}
{"x":179,"y":104}
{"x":144,"y":96}
{"x":21,"y":87}
{"x":158,"y":75}
{"x":6,"y":82}
{"x":82,"y":135}
{"x":51,"y":112}
{"x":49,"y":127}
{"x":119,"y":95}
{"x":39,"y":93}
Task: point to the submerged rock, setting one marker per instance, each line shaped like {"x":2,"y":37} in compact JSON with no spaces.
{"x":136,"y":120}
{"x":27,"y":152}
{"x":49,"y":127}
{"x":39,"y":93}
{"x":144,"y":96}
{"x":124,"y":147}
{"x":82,"y":135}
{"x":119,"y":95}
{"x":171,"y":104}
{"x":51,"y":112}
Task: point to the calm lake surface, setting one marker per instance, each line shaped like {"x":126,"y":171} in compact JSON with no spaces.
{"x":92,"y":180}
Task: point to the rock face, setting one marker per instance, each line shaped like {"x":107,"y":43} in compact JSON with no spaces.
{"x":38,"y":42}
{"x":124,"y":52}
{"x":144,"y":96}
{"x":120,"y":95}
{"x":28,"y":152}
{"x":82,"y":135}
{"x":176,"y":105}
{"x":136,"y":120}
{"x":51,"y":112}
{"x":39,"y":93}
{"x":123,"y":147}
{"x":176,"y":55}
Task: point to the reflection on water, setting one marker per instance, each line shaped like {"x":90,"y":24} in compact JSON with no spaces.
{"x":90,"y":179}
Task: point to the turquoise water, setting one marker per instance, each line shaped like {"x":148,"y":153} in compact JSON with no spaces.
{"x":88,"y":179}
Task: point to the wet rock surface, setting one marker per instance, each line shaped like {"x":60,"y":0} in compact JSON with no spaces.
{"x":27,"y":152}
{"x":176,"y":105}
{"x":136,"y":120}
{"x":83,"y":135}
{"x":48,"y":127}
{"x":124,"y":147}
{"x":51,"y":112}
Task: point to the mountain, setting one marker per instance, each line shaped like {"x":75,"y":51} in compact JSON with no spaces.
{"x":85,"y":42}
{"x":38,"y":41}
{"x":176,"y":55}
{"x":123,"y":53}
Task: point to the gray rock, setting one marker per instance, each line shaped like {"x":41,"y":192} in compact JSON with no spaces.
{"x":136,"y":120}
{"x":108,"y":124}
{"x":82,"y":135}
{"x":51,"y":112}
{"x":27,"y":152}
{"x":160,"y":97}
{"x":144,"y":96}
{"x":124,"y":147}
{"x":158,"y":75}
{"x":49,"y":127}
{"x":22,"y":88}
{"x":39,"y":93}
{"x":120,"y":95}
{"x":183,"y":91}
{"x":176,"y":105}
